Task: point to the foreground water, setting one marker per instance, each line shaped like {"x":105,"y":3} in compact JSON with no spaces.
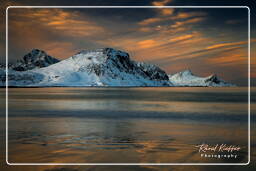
{"x":125,"y":125}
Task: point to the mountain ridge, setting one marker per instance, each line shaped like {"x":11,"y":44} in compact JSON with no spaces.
{"x":99,"y":67}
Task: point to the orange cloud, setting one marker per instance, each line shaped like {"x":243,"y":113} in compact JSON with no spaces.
{"x":58,"y":20}
{"x":161,"y":3}
{"x":179,"y":16}
{"x":167,"y":11}
{"x":145,"y":29}
{"x":185,"y":15}
{"x":151,"y":21}
{"x":158,"y":46}
{"x":56,"y":23}
{"x":162,"y":41}
{"x":230,"y":56}
{"x":181,"y":38}
{"x":229,"y":60}
{"x":189,"y":21}
{"x":147,"y":43}
{"x":221,"y":45}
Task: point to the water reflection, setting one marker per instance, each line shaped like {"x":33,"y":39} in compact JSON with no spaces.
{"x":71,"y":139}
{"x":124,"y":125}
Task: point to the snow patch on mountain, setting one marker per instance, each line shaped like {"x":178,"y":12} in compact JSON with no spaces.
{"x":188,"y":79}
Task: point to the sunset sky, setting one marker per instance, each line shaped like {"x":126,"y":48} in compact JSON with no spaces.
{"x":205,"y":41}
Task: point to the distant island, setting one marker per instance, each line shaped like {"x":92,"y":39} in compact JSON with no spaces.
{"x":100,"y":67}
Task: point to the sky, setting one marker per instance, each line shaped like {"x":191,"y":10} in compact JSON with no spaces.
{"x":204,"y":40}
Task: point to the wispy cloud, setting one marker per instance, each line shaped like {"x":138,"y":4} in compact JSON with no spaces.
{"x":147,"y":43}
{"x":59,"y":32}
{"x":161,"y":3}
{"x":238,"y":56}
{"x":178,"y":16}
{"x":186,"y":15}
{"x":179,"y":22}
{"x":152,"y":20}
{"x":165,"y":41}
{"x":222,"y":45}
{"x":231,"y":59}
{"x":63,"y":22}
{"x":224,"y":55}
{"x":181,"y":38}
{"x":185,"y":22}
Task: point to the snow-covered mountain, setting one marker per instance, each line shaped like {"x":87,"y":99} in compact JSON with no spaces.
{"x":188,"y":79}
{"x":100,"y":67}
{"x":34,"y":59}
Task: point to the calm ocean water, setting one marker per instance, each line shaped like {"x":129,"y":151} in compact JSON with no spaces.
{"x":125,"y":125}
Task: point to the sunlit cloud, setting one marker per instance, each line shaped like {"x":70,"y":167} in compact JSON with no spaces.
{"x":164,"y":42}
{"x":238,"y":56}
{"x":189,"y":21}
{"x":198,"y":16}
{"x":147,"y":43}
{"x":181,"y":38}
{"x":227,"y":55}
{"x":186,"y":15}
{"x":221,"y":45}
{"x":63,"y":22}
{"x":145,"y":29}
{"x":151,"y":21}
{"x":167,"y":11}
{"x":161,"y":3}
{"x":231,"y":59}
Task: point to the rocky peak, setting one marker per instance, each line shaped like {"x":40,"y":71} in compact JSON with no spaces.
{"x":109,"y":61}
{"x":34,"y":59}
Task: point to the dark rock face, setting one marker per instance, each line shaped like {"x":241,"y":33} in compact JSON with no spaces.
{"x":154,"y":72}
{"x":36,"y":58}
{"x":213,"y":79}
{"x":115,"y":62}
{"x":122,"y":61}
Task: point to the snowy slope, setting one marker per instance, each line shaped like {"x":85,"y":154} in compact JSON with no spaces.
{"x":100,"y":67}
{"x":188,"y":79}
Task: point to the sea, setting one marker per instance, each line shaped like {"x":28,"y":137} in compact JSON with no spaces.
{"x":143,"y":127}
